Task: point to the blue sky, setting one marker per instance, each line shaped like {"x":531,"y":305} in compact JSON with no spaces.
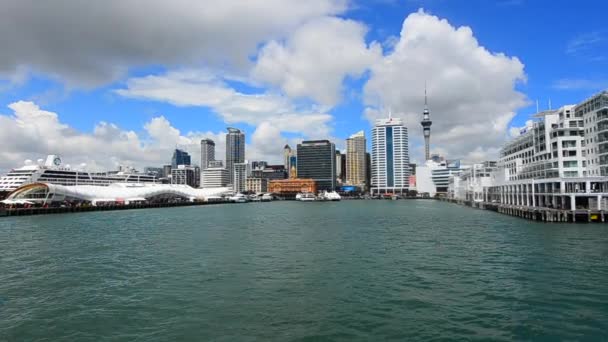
{"x":561,"y":45}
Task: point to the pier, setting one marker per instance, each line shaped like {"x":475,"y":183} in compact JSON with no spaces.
{"x":537,"y":213}
{"x":81,"y":209}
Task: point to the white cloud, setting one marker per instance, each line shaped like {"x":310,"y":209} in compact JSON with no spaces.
{"x":472,"y":96}
{"x":200,"y":88}
{"x":32,"y":133}
{"x":314,"y":61}
{"x":92,"y":42}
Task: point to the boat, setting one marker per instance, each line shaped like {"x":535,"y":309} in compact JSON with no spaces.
{"x":53,"y":171}
{"x":267,"y":198}
{"x":306,"y":197}
{"x":331,"y":196}
{"x":238,"y":198}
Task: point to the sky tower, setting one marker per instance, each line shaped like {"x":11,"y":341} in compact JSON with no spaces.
{"x":426,"y":128}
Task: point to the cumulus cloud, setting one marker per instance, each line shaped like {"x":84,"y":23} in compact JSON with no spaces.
{"x":314,"y":61}
{"x":472,"y":96}
{"x":201,"y":88}
{"x":88,"y":43}
{"x":32,"y":133}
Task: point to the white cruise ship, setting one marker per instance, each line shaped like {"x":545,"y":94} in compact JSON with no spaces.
{"x":51,"y":170}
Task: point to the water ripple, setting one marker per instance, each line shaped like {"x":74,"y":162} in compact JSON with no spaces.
{"x":354,"y":270}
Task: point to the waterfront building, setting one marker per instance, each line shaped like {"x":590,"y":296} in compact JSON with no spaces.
{"x":355,"y":159}
{"x":432,"y":178}
{"x":472,"y":183}
{"x":316,"y":161}
{"x":52,"y":170}
{"x":289,"y":188}
{"x":180,"y":157}
{"x":215,"y":176}
{"x":426,"y":128}
{"x":556,"y":162}
{"x":118,"y":193}
{"x":241,"y":172}
{"x":235,"y":150}
{"x":390,"y":157}
{"x":256,"y":185}
{"x":186,"y":174}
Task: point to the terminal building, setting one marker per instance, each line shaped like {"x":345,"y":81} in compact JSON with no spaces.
{"x":560,"y":161}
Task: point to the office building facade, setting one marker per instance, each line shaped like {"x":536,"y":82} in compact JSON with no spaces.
{"x":355,"y":160}
{"x":235,"y":150}
{"x":390,"y":157}
{"x":180,"y":157}
{"x":241,"y":172}
{"x":215,"y":177}
{"x":186,"y":175}
{"x":317,"y":161}
{"x":207,"y":152}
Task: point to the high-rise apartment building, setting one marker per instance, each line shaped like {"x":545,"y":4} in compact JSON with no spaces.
{"x":180,"y":157}
{"x":316,"y":161}
{"x":390,"y":157}
{"x":289,"y":160}
{"x":355,"y":159}
{"x":235,"y":150}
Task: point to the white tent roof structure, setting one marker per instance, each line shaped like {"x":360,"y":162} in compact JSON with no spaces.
{"x":47,"y":192}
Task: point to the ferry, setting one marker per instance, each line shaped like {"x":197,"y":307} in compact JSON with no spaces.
{"x":306,"y":197}
{"x":331,"y":196}
{"x":239,"y":198}
{"x":53,"y":171}
{"x":267,"y":197}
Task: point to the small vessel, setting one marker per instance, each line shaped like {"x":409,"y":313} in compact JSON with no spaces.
{"x":267,"y":197}
{"x":331,"y":196}
{"x":306,"y":197}
{"x":238,"y":198}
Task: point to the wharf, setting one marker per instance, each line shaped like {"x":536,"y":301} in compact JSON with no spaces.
{"x":537,"y":213}
{"x":79,"y":209}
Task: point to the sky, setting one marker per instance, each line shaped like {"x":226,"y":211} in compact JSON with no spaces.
{"x":124,"y":82}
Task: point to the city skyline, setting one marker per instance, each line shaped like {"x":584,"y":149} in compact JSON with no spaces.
{"x":136,"y":109}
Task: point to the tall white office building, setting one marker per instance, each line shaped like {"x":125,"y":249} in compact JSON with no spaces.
{"x":390,"y":157}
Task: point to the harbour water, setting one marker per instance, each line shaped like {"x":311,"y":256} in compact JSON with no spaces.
{"x":350,"y":270}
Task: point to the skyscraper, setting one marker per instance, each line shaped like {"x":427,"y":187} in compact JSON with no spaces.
{"x":426,"y":128}
{"x":235,"y":150}
{"x":180,"y":157}
{"x":207,"y":152}
{"x":286,"y":155}
{"x":355,"y":159}
{"x":340,"y":171}
{"x":316,"y":160}
{"x":390,"y":157}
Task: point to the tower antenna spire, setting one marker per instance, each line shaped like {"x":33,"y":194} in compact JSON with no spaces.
{"x":425,"y":103}
{"x":390,"y":114}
